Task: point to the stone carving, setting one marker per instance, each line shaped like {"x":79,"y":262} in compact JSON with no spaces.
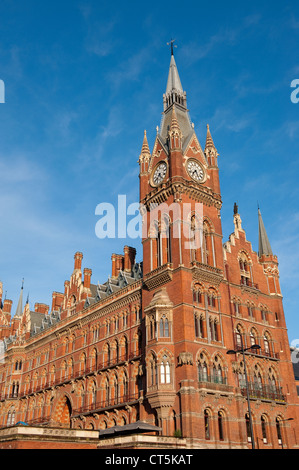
{"x":185,"y":358}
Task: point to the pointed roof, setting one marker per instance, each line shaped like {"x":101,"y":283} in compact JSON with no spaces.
{"x":264,"y":244}
{"x":19,"y":310}
{"x":173,"y":82}
{"x":209,"y":140}
{"x":175,"y":97}
{"x":145,"y":151}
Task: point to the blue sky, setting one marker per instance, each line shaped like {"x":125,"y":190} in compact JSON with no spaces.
{"x":83,"y":79}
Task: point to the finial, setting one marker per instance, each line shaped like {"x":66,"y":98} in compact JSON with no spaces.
{"x":171,"y":45}
{"x":22,"y":283}
{"x":235,"y":208}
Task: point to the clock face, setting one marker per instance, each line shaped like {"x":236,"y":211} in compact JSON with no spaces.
{"x":159,"y":173}
{"x":195,"y":171}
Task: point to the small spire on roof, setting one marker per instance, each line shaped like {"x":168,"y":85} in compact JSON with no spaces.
{"x":20,"y":303}
{"x":209,"y":140}
{"x":264,"y":244}
{"x":174,"y":120}
{"x":145,"y":151}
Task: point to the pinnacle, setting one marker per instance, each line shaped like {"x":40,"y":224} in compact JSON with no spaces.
{"x":264,"y":244}
{"x":174,"y":121}
{"x":145,"y":151}
{"x":209,"y":140}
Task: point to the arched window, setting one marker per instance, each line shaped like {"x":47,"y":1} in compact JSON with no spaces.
{"x":213,"y":329}
{"x":83,"y":362}
{"x":70,"y":368}
{"x":250,"y":311}
{"x":217,"y":374}
{"x":155,"y":241}
{"x":63,"y":370}
{"x":164,"y":327}
{"x":94,"y":394}
{"x":272,"y":382}
{"x":202,"y":369}
{"x":238,"y":337}
{"x":257,"y":381}
{"x":165,"y":370}
{"x":125,"y":348}
{"x":116,"y":351}
{"x":108,"y":353}
{"x":267,"y":342}
{"x":241,"y":376}
{"x":220,"y":425}
{"x":278,"y":430}
{"x":167,"y":232}
{"x":125,"y":386}
{"x":72,"y":305}
{"x":153,"y":370}
{"x":208,"y":253}
{"x":152,"y":327}
{"x":253,"y":337}
{"x":116,"y":390}
{"x":107,"y":392}
{"x":195,"y":238}
{"x":264,"y":428}
{"x":11,"y":416}
{"x":207,"y":423}
{"x":198,"y":325}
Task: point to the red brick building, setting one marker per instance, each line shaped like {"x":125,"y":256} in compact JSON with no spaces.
{"x":150,"y":344}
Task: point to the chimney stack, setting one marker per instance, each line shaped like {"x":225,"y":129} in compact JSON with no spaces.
{"x":78,"y":260}
{"x":129,"y":261}
{"x":87,"y":277}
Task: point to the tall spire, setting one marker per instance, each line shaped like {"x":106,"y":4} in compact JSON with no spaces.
{"x":173,"y":82}
{"x":264,"y":244}
{"x":175,"y":96}
{"x":19,"y":310}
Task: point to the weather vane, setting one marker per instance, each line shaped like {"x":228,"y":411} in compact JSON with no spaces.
{"x":171,"y":45}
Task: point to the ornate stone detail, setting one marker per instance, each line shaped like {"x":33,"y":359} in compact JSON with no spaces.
{"x":185,"y":358}
{"x":204,"y":272}
{"x":158,"y":277}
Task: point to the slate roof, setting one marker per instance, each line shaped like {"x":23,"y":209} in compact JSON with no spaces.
{"x":102,"y":291}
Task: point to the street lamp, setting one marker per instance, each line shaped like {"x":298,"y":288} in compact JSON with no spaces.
{"x":242,"y":349}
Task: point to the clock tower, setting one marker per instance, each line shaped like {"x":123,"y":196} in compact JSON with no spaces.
{"x":182,"y":253}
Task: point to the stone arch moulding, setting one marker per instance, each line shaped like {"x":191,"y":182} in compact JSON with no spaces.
{"x":62,"y":411}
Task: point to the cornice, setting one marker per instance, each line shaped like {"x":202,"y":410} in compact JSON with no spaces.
{"x":179,"y":185}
